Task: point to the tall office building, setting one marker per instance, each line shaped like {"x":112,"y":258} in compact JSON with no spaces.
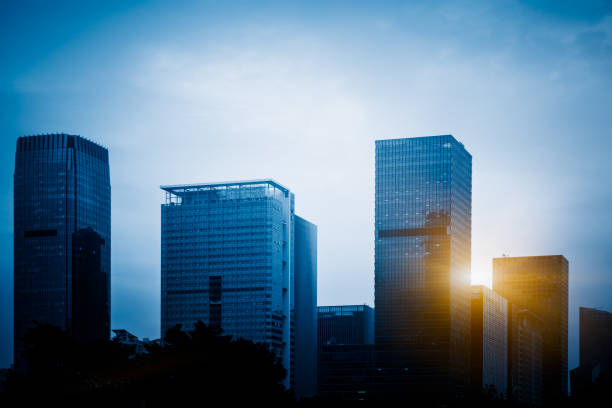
{"x":346,"y":324}
{"x":230,"y":258}
{"x":489,"y":341}
{"x":596,"y":338}
{"x":61,"y":237}
{"x":540,"y":285}
{"x":595,"y":351}
{"x":525,"y":356}
{"x":422,"y":266}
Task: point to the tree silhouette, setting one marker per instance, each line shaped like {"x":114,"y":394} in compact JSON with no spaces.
{"x":200,"y":367}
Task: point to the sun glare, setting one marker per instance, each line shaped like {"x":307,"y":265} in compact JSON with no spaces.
{"x":481,"y":275}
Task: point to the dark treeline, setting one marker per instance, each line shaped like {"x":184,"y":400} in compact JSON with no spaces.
{"x":194,"y":368}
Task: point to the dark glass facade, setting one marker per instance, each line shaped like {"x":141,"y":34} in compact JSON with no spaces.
{"x":89,"y":303}
{"x":596,"y":338}
{"x":304,"y":352}
{"x":422,"y":266}
{"x":346,"y":371}
{"x":61,"y":237}
{"x":595,"y":352}
{"x":525,"y":356}
{"x":346,"y":351}
{"x":540,"y":284}
{"x":346,"y":324}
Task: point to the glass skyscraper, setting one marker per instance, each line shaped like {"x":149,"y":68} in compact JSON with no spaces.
{"x":61,"y":237}
{"x":422,"y":266}
{"x":229,"y":258}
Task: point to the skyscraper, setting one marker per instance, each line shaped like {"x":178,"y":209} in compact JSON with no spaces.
{"x":422,"y":266}
{"x":540,"y":285}
{"x":595,"y":352}
{"x":525,"y":356}
{"x":489,"y":341}
{"x":596,"y":338}
{"x":61,"y":237}
{"x":229,"y":258}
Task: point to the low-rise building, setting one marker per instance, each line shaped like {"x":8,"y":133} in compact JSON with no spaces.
{"x":346,"y":351}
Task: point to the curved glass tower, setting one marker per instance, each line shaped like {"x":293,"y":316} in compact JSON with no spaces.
{"x":61,"y":237}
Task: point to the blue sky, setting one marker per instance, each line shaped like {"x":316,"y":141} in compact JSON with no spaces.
{"x":299,"y":91}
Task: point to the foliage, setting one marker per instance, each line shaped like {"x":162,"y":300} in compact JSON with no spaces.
{"x":194,"y":368}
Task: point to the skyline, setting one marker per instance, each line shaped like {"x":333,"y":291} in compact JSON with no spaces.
{"x":267,"y":91}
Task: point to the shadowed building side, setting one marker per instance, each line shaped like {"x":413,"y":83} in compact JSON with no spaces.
{"x":596,"y":338}
{"x":90,"y":288}
{"x":595,"y":351}
{"x":305,"y":309}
